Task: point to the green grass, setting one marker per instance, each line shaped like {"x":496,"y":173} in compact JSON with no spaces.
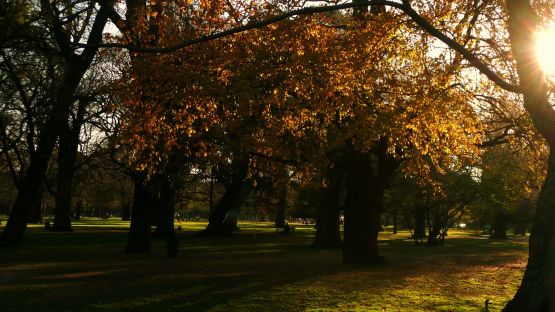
{"x":255,"y":270}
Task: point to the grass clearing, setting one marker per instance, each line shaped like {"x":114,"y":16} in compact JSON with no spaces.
{"x":255,"y":270}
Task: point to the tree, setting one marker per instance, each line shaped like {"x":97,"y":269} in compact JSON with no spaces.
{"x":61,"y":28}
{"x":28,"y":73}
{"x":378,"y":118}
{"x":67,"y":157}
{"x":444,"y":210}
{"x":508,"y":179}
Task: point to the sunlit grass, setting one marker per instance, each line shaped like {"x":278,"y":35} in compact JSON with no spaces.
{"x":255,"y":270}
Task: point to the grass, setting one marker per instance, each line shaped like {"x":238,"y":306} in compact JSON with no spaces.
{"x":256,"y":270}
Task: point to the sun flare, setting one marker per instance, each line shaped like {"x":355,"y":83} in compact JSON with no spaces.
{"x":545,"y":50}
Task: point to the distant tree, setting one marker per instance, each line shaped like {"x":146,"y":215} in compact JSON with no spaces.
{"x":400,"y":201}
{"x":444,"y":210}
{"x":509,"y":176}
{"x":523,"y":216}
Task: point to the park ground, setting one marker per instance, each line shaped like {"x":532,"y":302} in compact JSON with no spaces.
{"x":255,"y":270}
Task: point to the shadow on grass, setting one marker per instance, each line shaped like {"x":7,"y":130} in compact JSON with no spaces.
{"x":87,"y":270}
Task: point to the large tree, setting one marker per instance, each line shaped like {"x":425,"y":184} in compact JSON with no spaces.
{"x":54,"y":28}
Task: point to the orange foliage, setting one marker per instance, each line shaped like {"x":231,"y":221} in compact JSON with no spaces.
{"x":297,"y":89}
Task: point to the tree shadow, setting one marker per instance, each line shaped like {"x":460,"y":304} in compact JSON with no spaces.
{"x":90,"y":271}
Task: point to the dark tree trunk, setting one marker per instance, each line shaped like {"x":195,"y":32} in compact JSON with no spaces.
{"x":537,"y":290}
{"x":282,"y":206}
{"x":434,"y":240}
{"x":36,"y":214}
{"x":29,"y":192}
{"x":395,"y":223}
{"x":217,"y":217}
{"x":210,"y":193}
{"x":235,"y":193}
{"x":362,"y":205}
{"x":78,"y":210}
{"x":231,"y":201}
{"x":364,"y":202}
{"x":125,"y":212}
{"x":520,"y":228}
{"x":67,"y":157}
{"x":139,"y":231}
{"x":500,"y":225}
{"x":419,"y":221}
{"x":66,"y":165}
{"x":437,"y":225}
{"x":434,"y":232}
{"x":327,"y":222}
{"x":165,"y":210}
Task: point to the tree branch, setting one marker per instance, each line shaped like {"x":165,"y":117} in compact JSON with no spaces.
{"x":404,"y":7}
{"x":469,"y":56}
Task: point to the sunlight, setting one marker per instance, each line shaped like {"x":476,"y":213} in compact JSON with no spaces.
{"x":545,"y":50}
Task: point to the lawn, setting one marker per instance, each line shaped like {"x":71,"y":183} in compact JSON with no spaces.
{"x":255,"y":270}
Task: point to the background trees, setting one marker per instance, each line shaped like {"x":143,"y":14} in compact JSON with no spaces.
{"x":508,"y":184}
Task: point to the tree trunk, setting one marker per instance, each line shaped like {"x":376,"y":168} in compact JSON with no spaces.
{"x":434,"y":231}
{"x":165,"y":210}
{"x":210,"y":194}
{"x":78,"y":210}
{"x":362,"y":212}
{"x":537,"y":290}
{"x":282,"y":206}
{"x":216,"y":219}
{"x":395,"y":225}
{"x":125,"y":212}
{"x":327,"y":221}
{"x":500,"y":225}
{"x":139,"y":231}
{"x":231,"y":201}
{"x":419,"y":221}
{"x":67,"y":157}
{"x":368,"y":174}
{"x":66,"y":165}
{"x":520,"y":228}
{"x":29,"y":192}
{"x":36,"y":214}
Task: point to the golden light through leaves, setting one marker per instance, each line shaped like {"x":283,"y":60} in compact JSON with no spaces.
{"x":545,"y":50}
